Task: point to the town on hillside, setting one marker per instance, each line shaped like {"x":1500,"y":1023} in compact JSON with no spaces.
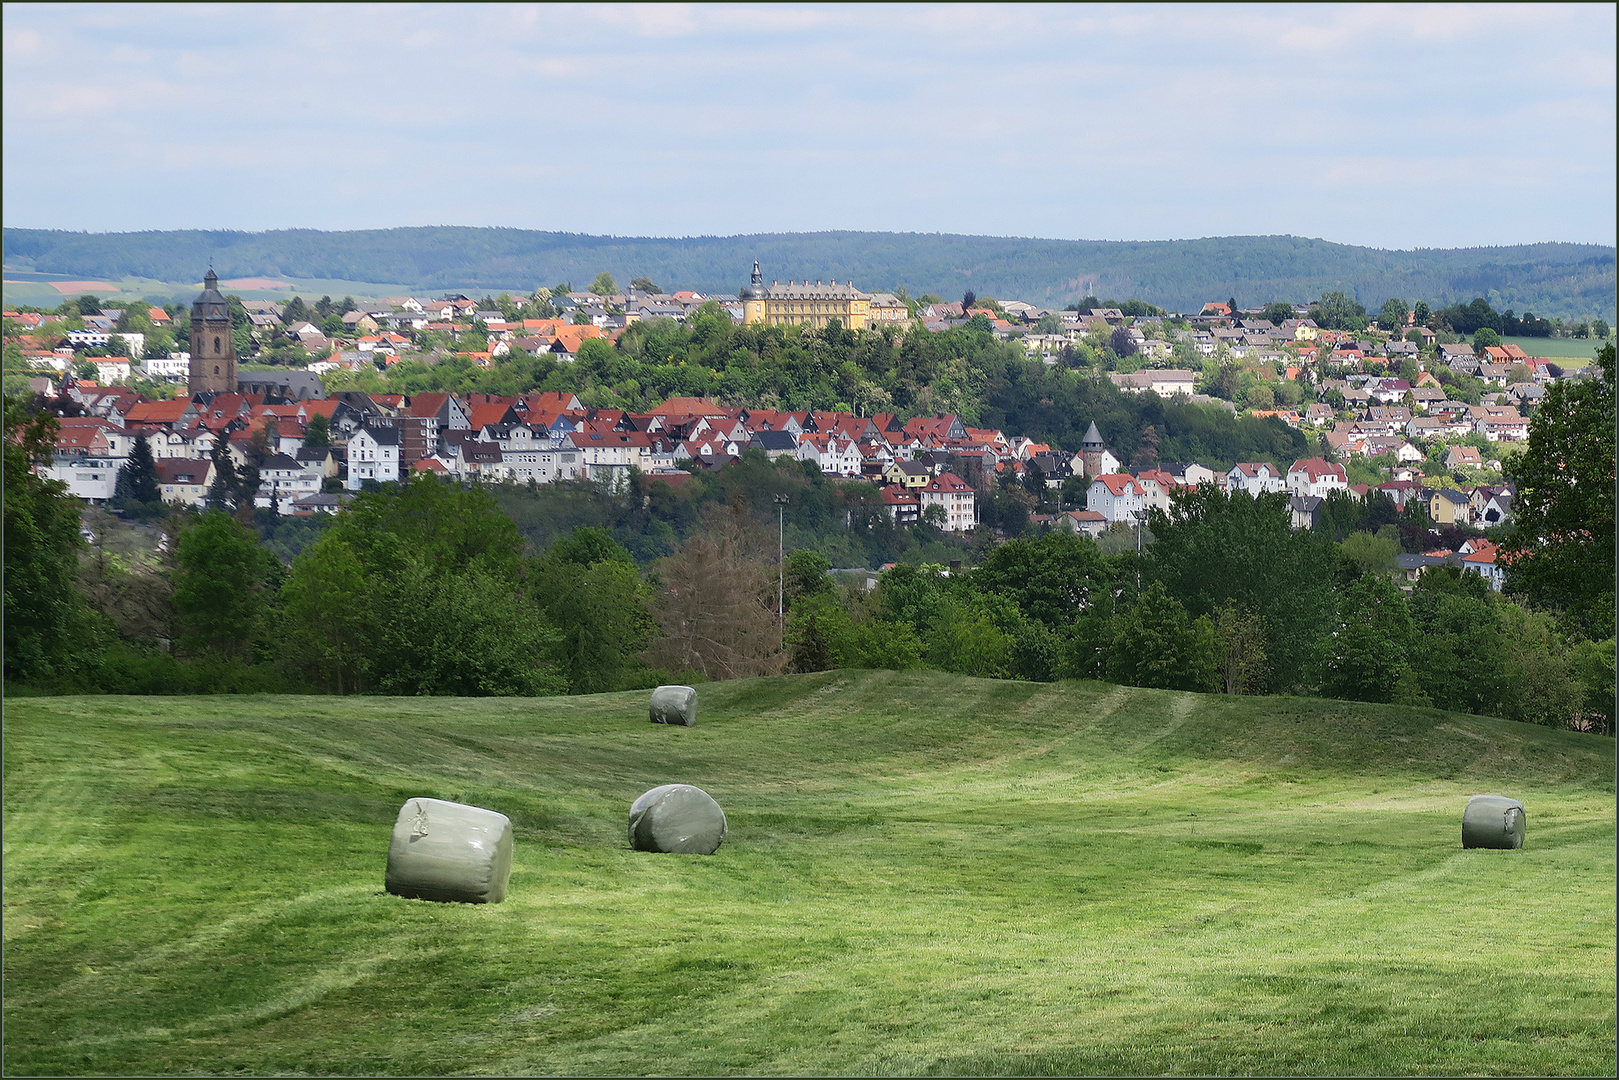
{"x":1398,"y":404}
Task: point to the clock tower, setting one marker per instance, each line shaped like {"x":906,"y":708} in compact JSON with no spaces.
{"x":213,"y":352}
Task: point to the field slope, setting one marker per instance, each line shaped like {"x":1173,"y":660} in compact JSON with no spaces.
{"x":925,"y":874}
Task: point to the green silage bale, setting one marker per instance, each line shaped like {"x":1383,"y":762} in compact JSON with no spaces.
{"x":451,"y":852}
{"x":1493,"y":821}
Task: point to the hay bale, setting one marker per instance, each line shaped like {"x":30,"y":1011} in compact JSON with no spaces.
{"x":674,"y":705}
{"x":450,"y":851}
{"x":677,"y":818}
{"x":1493,"y":821}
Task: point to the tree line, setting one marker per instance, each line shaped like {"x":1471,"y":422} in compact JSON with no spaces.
{"x":1571,"y":281}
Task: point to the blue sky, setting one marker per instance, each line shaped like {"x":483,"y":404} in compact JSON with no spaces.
{"x":1390,"y":126}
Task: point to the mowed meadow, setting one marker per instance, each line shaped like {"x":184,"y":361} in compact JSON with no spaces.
{"x":924,"y":874}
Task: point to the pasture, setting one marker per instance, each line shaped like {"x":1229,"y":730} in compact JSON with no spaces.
{"x":924,"y":874}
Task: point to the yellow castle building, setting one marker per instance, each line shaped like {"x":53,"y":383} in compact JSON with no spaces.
{"x":795,"y":304}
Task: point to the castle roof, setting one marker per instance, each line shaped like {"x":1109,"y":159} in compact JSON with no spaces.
{"x":805,"y":291}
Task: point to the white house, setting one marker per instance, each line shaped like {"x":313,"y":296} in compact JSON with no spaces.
{"x":373,"y":455}
{"x":89,"y":478}
{"x":283,"y":480}
{"x":175,"y":366}
{"x":836,"y":456}
{"x":955,"y":495}
{"x":1316,"y":476}
{"x":1117,"y":497}
{"x":1164,"y":383}
{"x":1254,"y":478}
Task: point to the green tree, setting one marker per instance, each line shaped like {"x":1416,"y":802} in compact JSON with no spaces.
{"x":1215,"y":548}
{"x":1460,"y":656}
{"x":804,"y":576}
{"x":318,"y":433}
{"x":1368,"y":651}
{"x":1485,"y":338}
{"x":964,"y":639}
{"x":1053,"y":579}
{"x":137,"y":489}
{"x":1560,"y":551}
{"x":48,"y":631}
{"x":604,"y":285}
{"x":1279,"y":311}
{"x":1239,"y":650}
{"x":1393,"y":314}
{"x":642,"y":284}
{"x":1336,"y":311}
{"x":327,"y":615}
{"x":1373,"y":552}
{"x":468,"y":633}
{"x":1543,"y":680}
{"x":445,"y":609}
{"x":221,"y":577}
{"x":588,"y":587}
{"x":1156,"y":643}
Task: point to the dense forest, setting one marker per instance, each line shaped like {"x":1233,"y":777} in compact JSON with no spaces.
{"x":1557,"y":280}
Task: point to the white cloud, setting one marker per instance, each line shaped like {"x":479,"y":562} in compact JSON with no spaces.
{"x":1113,"y":121}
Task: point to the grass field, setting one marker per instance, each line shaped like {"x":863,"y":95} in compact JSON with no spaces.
{"x":924,"y":874}
{"x":1557,"y":348}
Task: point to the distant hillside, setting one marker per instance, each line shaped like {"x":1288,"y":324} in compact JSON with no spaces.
{"x":1553,"y":279}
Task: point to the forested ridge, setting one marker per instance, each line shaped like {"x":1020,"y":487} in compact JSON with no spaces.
{"x":1553,"y":279}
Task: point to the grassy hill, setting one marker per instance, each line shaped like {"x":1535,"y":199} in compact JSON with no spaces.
{"x":1553,"y":279}
{"x":925,"y":874}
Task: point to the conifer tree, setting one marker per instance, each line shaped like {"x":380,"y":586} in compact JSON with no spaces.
{"x":137,"y":484}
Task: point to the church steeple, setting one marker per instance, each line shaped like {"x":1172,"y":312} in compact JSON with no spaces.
{"x":213,"y":351}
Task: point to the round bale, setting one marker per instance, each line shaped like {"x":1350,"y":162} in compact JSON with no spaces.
{"x":451,"y":852}
{"x":677,"y":818}
{"x":674,"y":705}
{"x":1493,"y":821}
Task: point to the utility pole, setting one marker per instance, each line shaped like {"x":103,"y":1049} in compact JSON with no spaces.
{"x":781,"y":560}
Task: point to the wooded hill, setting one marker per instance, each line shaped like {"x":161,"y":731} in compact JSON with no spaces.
{"x":1552,"y":279}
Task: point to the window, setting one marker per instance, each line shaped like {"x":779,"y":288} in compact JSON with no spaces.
{"x":216,"y":350}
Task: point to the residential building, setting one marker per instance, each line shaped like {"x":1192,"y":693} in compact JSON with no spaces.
{"x":1254,"y":478}
{"x":955,"y":496}
{"x":1316,"y":477}
{"x":1117,"y":497}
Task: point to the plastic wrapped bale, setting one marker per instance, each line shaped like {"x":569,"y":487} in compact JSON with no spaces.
{"x":1493,"y":821}
{"x":450,"y":851}
{"x":674,"y":705}
{"x":677,"y":818}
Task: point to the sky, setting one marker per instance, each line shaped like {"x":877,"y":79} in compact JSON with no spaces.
{"x":1393,"y":126}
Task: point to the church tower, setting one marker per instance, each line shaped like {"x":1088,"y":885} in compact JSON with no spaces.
{"x":753,"y":299}
{"x":213,"y":352}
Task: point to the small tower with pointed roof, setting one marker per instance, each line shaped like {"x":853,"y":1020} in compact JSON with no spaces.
{"x":213,"y":352}
{"x":753,"y":299}
{"x":1094,"y":454}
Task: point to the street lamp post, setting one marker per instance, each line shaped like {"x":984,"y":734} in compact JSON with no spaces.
{"x":781,"y":559}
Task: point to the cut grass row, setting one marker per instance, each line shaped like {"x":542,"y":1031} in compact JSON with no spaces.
{"x":925,"y":874}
